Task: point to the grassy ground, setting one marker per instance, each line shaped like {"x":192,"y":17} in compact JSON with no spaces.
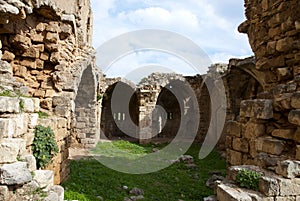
{"x":89,"y":179}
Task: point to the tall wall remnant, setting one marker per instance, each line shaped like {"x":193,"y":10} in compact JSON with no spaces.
{"x":46,"y":48}
{"x":266,"y":135}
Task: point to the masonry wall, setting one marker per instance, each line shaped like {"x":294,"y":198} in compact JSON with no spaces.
{"x":266,"y":131}
{"x":48,"y":46}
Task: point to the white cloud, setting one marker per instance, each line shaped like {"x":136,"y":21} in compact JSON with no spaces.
{"x":212,"y":24}
{"x":160,"y":17}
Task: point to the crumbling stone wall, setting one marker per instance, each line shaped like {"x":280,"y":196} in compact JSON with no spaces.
{"x":48,"y":46}
{"x":19,"y":177}
{"x":266,"y":133}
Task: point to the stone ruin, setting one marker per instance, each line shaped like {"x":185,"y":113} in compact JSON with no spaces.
{"x":264,"y":136}
{"x":48,"y":64}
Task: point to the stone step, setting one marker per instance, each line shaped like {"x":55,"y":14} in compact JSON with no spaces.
{"x":230,"y":192}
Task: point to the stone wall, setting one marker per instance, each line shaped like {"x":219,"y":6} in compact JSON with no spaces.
{"x":19,"y":178}
{"x":266,"y":132}
{"x":48,"y":46}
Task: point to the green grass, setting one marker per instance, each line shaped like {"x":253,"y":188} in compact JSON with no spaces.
{"x":90,"y":179}
{"x":123,"y":149}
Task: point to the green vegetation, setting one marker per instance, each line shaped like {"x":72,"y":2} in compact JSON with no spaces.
{"x":42,"y":115}
{"x":44,"y":147}
{"x":10,"y":93}
{"x":21,"y":104}
{"x":99,"y":97}
{"x":90,"y":179}
{"x":248,"y":179}
{"x":121,"y":148}
{"x":7,"y":93}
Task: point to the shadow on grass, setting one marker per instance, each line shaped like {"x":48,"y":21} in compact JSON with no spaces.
{"x":90,"y":179}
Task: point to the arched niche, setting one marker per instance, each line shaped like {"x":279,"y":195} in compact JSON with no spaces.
{"x":86,"y":110}
{"x":122,"y":114}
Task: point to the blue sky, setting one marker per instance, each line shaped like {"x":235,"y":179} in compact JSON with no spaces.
{"x":211,"y":24}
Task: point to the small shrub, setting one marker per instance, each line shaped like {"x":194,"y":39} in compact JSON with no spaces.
{"x":44,"y":147}
{"x":248,"y":179}
{"x":99,"y":97}
{"x":42,"y":115}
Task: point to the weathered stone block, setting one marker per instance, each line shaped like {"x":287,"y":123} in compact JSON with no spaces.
{"x":283,"y":73}
{"x":294,"y":117}
{"x":30,"y":160}
{"x":9,"y":104}
{"x":28,"y":63}
{"x":44,"y":56}
{"x":39,"y":64}
{"x":59,"y":190}
{"x":31,"y":52}
{"x":52,"y":37}
{"x":40,"y":27}
{"x":259,"y":108}
{"x":10,"y":149}
{"x":48,"y":122}
{"x":61,"y":133}
{"x":286,"y":198}
{"x":284,"y":44}
{"x":8,"y":56}
{"x":39,"y":47}
{"x":46,"y":104}
{"x":7,"y":127}
{"x":20,"y":40}
{"x":4,"y":193}
{"x":289,"y":187}
{"x":20,"y":71}
{"x":226,"y":192}
{"x":36,"y":102}
{"x":240,"y":144}
{"x":61,"y":123}
{"x":55,"y":57}
{"x":45,"y":178}
{"x":53,"y":27}
{"x":233,"y":128}
{"x":284,"y":133}
{"x":62,"y":111}
{"x":37,"y":37}
{"x":288,"y":168}
{"x":15,"y":174}
{"x":21,"y":124}
{"x":61,"y":101}
{"x":28,"y":104}
{"x":295,"y":100}
{"x":270,"y":145}
{"x":234,"y":157}
{"x":33,"y":120}
{"x":269,"y":186}
{"x":29,"y":137}
{"x":50,"y":93}
{"x":253,"y":130}
{"x":39,"y":93}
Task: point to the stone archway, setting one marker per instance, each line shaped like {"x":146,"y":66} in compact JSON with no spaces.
{"x":86,"y":127}
{"x":166,"y":125}
{"x":112,"y":120}
{"x":247,"y":85}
